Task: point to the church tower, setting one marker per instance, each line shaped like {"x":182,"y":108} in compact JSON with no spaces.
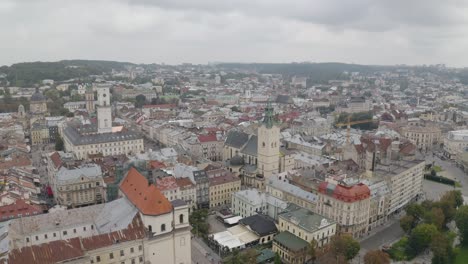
{"x":268,"y":147}
{"x":104,"y":114}
{"x":89,"y":96}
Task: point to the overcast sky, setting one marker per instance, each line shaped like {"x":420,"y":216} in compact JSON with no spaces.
{"x":201,"y":31}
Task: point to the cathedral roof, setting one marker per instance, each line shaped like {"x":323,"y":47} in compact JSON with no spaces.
{"x":37,"y":96}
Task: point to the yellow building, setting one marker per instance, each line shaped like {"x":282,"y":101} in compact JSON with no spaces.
{"x":291,"y":249}
{"x":39,"y":133}
{"x":222,"y":188}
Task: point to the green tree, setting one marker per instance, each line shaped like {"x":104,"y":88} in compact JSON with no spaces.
{"x":416,"y":211}
{"x":454,"y":198}
{"x":58,"y":143}
{"x":442,"y":249}
{"x":277,"y":259}
{"x":312,"y":250}
{"x":376,"y":257}
{"x":461,"y":219}
{"x":420,"y":238}
{"x":436,"y":216}
{"x":140,"y":100}
{"x":407,"y":223}
{"x":345,"y":246}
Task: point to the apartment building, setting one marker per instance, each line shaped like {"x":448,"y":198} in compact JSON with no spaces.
{"x":79,"y":186}
{"x":348,"y":205}
{"x":424,"y":137}
{"x":221,"y":189}
{"x":404,"y":179}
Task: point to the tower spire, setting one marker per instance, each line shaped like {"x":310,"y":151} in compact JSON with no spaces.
{"x":269,"y":119}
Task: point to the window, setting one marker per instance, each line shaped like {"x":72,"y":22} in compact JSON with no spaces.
{"x":45,"y":236}
{"x":140,"y":248}
{"x":122,"y":253}
{"x":181,"y":218}
{"x":163,"y":227}
{"x":150,"y":228}
{"x":133,"y":261}
{"x":84,"y":228}
{"x":141,"y":259}
{"x":131,"y":250}
{"x":98,"y":259}
{"x":64,"y":233}
{"x":27,"y":240}
{"x":92,"y":227}
{"x":37,"y":238}
{"x":74,"y":230}
{"x":111,"y":255}
{"x":55,"y":235}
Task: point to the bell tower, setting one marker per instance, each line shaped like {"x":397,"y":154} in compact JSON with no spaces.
{"x":268,"y":146}
{"x":89,"y":96}
{"x":104,"y":114}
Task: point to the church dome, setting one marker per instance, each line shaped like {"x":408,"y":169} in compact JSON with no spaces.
{"x":37,"y":96}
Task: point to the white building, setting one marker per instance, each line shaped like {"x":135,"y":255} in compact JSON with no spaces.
{"x":455,"y":143}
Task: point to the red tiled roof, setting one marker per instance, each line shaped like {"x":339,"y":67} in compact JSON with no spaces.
{"x":52,"y":252}
{"x":156,"y":164}
{"x":347,"y":194}
{"x":207,"y":138}
{"x":227,"y":178}
{"x":166,"y":183}
{"x":146,"y":197}
{"x":17,"y":209}
{"x":56,"y":159}
{"x":184,"y":183}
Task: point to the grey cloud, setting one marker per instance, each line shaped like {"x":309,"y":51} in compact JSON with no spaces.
{"x":361,"y":31}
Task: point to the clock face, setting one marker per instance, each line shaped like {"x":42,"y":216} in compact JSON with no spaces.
{"x":104,"y":95}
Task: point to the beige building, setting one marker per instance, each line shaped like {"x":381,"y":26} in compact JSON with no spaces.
{"x":79,"y":186}
{"x":307,"y":225}
{"x":347,"y":205}
{"x":221,"y":189}
{"x":424,"y":137}
{"x":188,"y":192}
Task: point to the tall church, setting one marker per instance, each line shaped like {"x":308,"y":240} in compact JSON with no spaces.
{"x":268,"y":146}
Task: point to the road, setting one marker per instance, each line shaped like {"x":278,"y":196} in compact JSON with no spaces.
{"x":202,"y":254}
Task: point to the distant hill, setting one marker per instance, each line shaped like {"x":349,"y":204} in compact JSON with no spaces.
{"x":317,"y":72}
{"x":29,"y":73}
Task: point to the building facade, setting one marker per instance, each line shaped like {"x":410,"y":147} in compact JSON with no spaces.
{"x":347,"y":205}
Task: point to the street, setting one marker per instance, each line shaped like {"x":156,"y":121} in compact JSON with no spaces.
{"x":202,"y":254}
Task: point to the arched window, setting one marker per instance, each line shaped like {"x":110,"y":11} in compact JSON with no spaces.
{"x":181,"y":218}
{"x":163,"y":227}
{"x":150,"y":228}
{"x":263,"y":144}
